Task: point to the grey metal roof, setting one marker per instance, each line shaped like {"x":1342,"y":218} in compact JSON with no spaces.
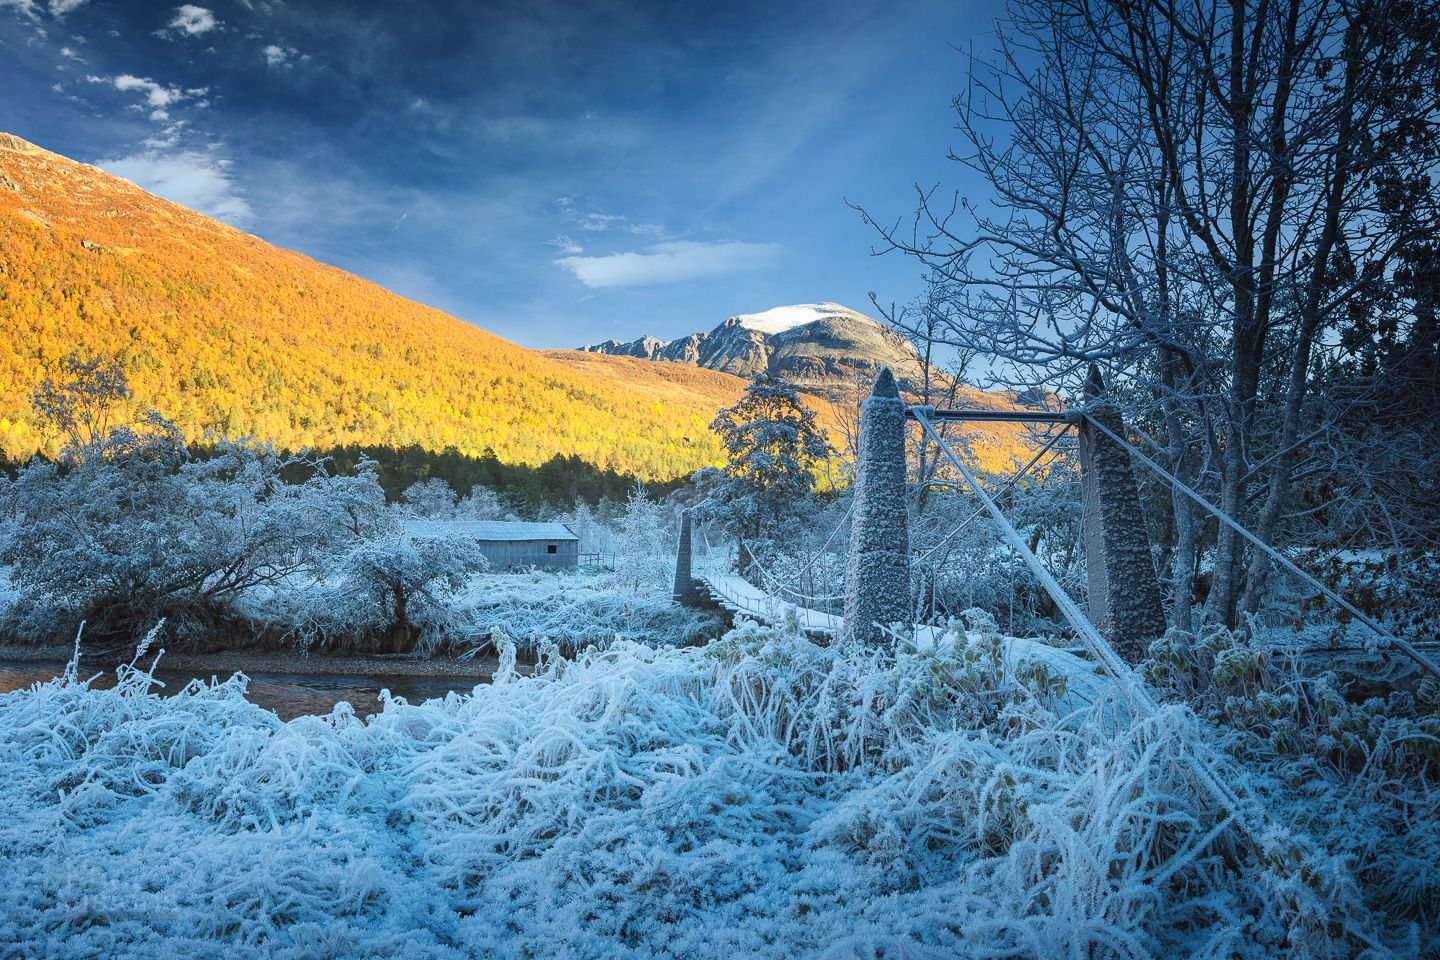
{"x":512,"y":530}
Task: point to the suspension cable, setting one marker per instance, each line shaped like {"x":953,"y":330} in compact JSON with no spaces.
{"x":772,"y":579}
{"x":1125,"y":680}
{"x":1118,"y":670}
{"x":1403,"y":645}
{"x":1054,"y":439}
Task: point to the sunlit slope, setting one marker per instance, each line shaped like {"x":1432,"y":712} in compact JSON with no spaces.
{"x":222,"y":330}
{"x":995,"y":446}
{"x":684,"y":385}
{"x":666,"y":382}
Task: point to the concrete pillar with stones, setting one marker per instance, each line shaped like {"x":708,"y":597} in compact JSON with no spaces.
{"x":877,"y":577}
{"x":1123,"y":589}
{"x":687,"y":588}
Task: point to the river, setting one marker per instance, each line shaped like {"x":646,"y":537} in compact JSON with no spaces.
{"x":288,"y":694}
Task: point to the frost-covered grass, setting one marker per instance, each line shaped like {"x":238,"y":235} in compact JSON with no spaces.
{"x":761,"y":796}
{"x":575,"y":609}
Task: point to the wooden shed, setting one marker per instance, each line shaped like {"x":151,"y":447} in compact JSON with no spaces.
{"x":508,"y":543}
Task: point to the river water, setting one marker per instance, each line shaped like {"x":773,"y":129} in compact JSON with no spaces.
{"x":288,"y":694}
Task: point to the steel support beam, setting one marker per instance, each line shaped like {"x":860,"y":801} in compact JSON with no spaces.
{"x":1001,"y":416}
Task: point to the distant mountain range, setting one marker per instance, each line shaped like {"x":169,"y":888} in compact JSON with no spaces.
{"x":813,"y":345}
{"x":830,"y":352}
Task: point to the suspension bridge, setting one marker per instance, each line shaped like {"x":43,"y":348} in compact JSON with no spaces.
{"x":1125,"y":611}
{"x":1084,"y":684}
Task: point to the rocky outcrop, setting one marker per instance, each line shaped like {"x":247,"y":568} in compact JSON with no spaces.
{"x":8,"y":141}
{"x":814,"y":346}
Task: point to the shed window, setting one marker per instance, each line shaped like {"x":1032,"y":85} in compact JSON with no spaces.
{"x":550,"y":548}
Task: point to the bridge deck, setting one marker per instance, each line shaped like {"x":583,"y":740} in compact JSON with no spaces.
{"x":739,"y":595}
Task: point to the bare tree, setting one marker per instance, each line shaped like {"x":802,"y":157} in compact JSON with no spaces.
{"x":1186,"y":194}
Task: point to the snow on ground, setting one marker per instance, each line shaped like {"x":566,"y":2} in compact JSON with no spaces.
{"x":759,"y":797}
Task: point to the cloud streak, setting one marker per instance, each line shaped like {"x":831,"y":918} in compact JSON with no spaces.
{"x":31,"y":9}
{"x":157,"y":96}
{"x":670,"y":262}
{"x":190,"y":19}
{"x":191,"y":178}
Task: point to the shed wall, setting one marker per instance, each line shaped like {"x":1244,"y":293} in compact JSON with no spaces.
{"x":503,"y":554}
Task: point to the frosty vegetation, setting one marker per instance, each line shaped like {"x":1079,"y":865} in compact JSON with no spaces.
{"x":639,"y":796}
{"x":237,"y":544}
{"x":646,"y":793}
{"x":762,"y":796}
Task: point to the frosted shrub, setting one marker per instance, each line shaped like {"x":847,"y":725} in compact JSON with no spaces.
{"x":848,"y":704}
{"x":482,"y":503}
{"x":10,"y":598}
{"x":390,"y":592}
{"x":967,"y":564}
{"x":431,"y":499}
{"x":574,"y":610}
{"x":1359,"y":772}
{"x":645,"y":544}
{"x":765,"y":797}
{"x":140,"y":529}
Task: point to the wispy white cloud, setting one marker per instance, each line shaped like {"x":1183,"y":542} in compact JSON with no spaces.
{"x":192,"y":178}
{"x":279,"y":56}
{"x":26,"y":8}
{"x":567,"y":246}
{"x":191,"y":20}
{"x":574,"y":212}
{"x":669,"y":262}
{"x":155,"y":97}
{"x":58,"y":8}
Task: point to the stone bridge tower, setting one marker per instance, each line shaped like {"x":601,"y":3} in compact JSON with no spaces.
{"x":877,"y":578}
{"x":1120,"y":572}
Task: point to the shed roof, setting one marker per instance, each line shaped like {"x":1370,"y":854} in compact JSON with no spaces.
{"x":514,"y":530}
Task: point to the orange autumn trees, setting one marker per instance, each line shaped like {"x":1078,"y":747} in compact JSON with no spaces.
{"x":224,"y":332}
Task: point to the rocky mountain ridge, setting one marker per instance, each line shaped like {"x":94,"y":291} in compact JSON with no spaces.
{"x":815,"y":346}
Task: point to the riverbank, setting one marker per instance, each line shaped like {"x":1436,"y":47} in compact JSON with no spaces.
{"x":223,"y":664}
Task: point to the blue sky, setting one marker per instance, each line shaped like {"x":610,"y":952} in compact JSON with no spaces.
{"x":555,"y":172}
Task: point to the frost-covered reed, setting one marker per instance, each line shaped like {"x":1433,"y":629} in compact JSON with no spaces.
{"x":758,"y":797}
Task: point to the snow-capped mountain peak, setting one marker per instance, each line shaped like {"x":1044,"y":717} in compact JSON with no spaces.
{"x":813,"y":345}
{"x":779,"y":319}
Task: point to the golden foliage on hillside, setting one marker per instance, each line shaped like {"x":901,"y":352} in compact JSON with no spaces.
{"x":222,"y":331}
{"x":994,"y":446}
{"x":681,"y":383}
{"x":677,"y":382}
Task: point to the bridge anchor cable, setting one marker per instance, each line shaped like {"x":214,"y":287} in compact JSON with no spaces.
{"x":1140,"y":699}
{"x":1404,"y":646}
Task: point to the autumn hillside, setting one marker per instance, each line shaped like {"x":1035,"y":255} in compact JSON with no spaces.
{"x":994,"y":446}
{"x":223,"y":331}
